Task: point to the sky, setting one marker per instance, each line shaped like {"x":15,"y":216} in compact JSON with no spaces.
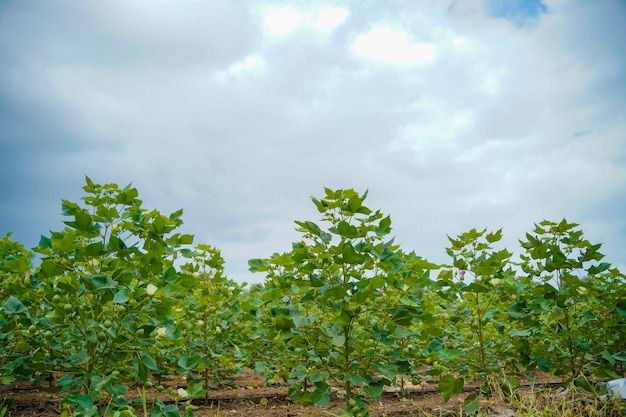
{"x":453,"y":114}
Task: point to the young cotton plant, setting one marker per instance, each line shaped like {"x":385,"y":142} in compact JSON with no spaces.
{"x":328,"y":304}
{"x":578,"y":301}
{"x":213,"y":331}
{"x":105,"y":283}
{"x":478,"y":343}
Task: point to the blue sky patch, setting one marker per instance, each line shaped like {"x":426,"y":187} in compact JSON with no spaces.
{"x":520,"y":12}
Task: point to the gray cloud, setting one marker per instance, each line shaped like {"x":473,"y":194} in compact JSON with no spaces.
{"x":202,"y":109}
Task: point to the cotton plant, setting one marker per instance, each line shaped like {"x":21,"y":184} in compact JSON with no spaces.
{"x":104,"y":284}
{"x":334,"y":307}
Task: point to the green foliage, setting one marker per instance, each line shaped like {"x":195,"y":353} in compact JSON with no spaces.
{"x":105,"y":288}
{"x":336,"y":304}
{"x":575,"y":303}
{"x":481,"y":286}
{"x":120,"y":297}
{"x":15,"y":266}
{"x":214,"y":346}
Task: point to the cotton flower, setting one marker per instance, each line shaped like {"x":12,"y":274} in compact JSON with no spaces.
{"x":495,"y":282}
{"x":151,"y":289}
{"x":161,"y":332}
{"x":182,"y":393}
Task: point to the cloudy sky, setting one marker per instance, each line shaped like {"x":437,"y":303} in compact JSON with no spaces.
{"x":454,"y":114}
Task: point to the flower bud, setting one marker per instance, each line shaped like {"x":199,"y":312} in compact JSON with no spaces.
{"x":161,"y":332}
{"x":151,"y":289}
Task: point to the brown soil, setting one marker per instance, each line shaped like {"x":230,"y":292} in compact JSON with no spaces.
{"x":252,"y":398}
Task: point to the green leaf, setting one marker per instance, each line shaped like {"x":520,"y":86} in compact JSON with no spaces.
{"x":79,"y":358}
{"x":258,"y":265}
{"x":354,"y":203}
{"x":90,"y":187}
{"x":176,"y":215}
{"x":48,"y":269}
{"x":127,"y":196}
{"x":186,"y":239}
{"x":301,"y":321}
{"x":545,"y":364}
{"x":449,"y":385}
{"x":384,"y":227}
{"x":149,"y":363}
{"x":347,"y":230}
{"x":94,"y":249}
{"x":475,"y":288}
{"x":45,"y":242}
{"x":405,"y":300}
{"x":521,"y":333}
{"x":517,"y":311}
{"x":449,"y":354}
{"x":171,"y":410}
{"x":69,"y":208}
{"x":83,"y":221}
{"x":13,"y":306}
{"x":471,"y":403}
{"x":309,"y":227}
{"x":320,"y":397}
{"x":117,"y":244}
{"x":102,"y":282}
{"x":118,"y":389}
{"x":608,"y":357}
{"x":374,"y":389}
{"x":354,"y":379}
{"x":140,"y":368}
{"x":283,"y":323}
{"x":121,"y":296}
{"x":494,"y":237}
{"x":298,"y":375}
{"x":350,"y":256}
{"x":82,"y":402}
{"x":6,"y":380}
{"x":189,"y":361}
{"x":338,"y":340}
{"x":390,"y":371}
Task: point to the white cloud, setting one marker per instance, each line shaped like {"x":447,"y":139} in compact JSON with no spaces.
{"x":328,"y":19}
{"x":283,"y":21}
{"x":252,"y":65}
{"x":393,"y":46}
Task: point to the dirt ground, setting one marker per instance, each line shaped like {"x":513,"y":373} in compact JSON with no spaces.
{"x":252,"y":398}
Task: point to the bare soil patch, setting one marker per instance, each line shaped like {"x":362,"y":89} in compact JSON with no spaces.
{"x":252,"y":398}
